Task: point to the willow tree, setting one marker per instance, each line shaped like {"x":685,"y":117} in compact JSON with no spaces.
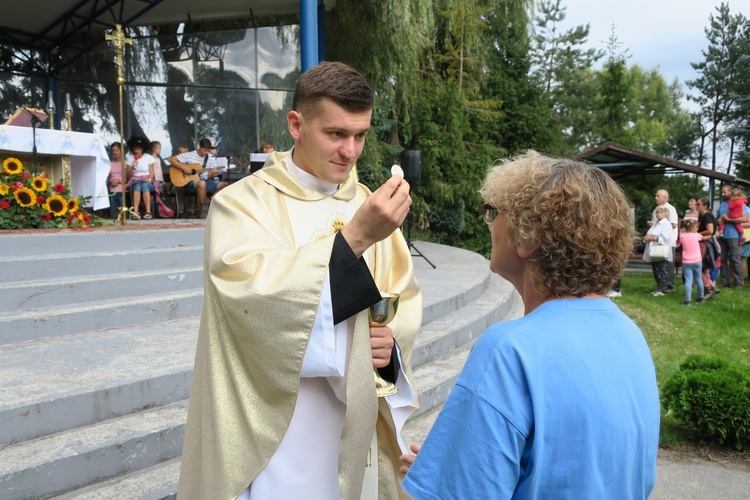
{"x":384,"y":40}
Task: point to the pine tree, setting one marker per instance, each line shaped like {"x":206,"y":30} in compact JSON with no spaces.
{"x":720,"y":79}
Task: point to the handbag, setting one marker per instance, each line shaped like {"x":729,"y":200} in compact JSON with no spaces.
{"x":165,"y":211}
{"x":658,"y":252}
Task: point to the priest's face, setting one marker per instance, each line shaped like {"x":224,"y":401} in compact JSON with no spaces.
{"x":328,"y":139}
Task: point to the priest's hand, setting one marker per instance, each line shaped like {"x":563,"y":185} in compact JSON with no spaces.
{"x":382,"y":213}
{"x":408,"y":458}
{"x":381,"y":343}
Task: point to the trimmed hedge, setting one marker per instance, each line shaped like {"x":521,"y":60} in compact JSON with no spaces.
{"x":711,"y":399}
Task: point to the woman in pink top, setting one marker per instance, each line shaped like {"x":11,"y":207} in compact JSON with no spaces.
{"x":114,"y":180}
{"x":690,"y":240}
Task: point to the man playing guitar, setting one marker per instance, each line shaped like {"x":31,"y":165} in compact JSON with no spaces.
{"x":195,"y":171}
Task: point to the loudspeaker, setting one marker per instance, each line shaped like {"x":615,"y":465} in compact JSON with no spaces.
{"x":411,"y":163}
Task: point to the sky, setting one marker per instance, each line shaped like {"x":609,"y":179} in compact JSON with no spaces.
{"x":668,"y":34}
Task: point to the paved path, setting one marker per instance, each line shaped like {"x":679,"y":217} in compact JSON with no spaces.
{"x":682,"y":476}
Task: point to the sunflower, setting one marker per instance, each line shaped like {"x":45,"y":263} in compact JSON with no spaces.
{"x":4,"y":188}
{"x":25,"y":197}
{"x":73,"y":205}
{"x":39,"y":184}
{"x":13,"y":166}
{"x":56,"y":205}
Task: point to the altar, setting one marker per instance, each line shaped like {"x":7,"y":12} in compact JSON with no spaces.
{"x":57,"y":150}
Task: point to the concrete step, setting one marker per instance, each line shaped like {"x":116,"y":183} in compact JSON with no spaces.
{"x":463,"y":324}
{"x":73,"y":368}
{"x":433,"y":380}
{"x":80,"y":264}
{"x":42,"y":295}
{"x":460,"y":277}
{"x":98,"y":240}
{"x":35,"y":324}
{"x":78,"y":380}
{"x":88,"y":377}
{"x":67,"y":461}
{"x":149,"y":448}
{"x":158,"y":482}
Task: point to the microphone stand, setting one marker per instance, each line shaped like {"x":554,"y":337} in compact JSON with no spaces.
{"x":411,"y":245}
{"x":35,"y":122}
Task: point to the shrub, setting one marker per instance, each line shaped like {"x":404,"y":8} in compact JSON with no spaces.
{"x":711,"y":400}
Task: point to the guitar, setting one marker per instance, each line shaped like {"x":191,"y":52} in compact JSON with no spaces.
{"x":179,"y":178}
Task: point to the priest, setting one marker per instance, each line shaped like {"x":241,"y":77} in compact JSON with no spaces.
{"x":283,"y":402}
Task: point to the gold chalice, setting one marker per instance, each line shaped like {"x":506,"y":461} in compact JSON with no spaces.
{"x":381,"y":314}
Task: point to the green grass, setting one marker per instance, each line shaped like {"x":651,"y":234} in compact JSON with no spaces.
{"x":719,"y":327}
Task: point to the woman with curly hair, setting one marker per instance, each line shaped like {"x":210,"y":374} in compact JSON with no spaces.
{"x":562,"y":402}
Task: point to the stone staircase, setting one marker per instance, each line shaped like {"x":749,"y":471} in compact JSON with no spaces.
{"x":97,"y":340}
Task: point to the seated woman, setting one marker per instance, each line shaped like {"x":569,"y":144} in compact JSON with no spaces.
{"x":115,"y":180}
{"x":561,"y":403}
{"x":141,"y":171}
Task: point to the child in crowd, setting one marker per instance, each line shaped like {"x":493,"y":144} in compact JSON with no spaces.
{"x":692,"y":211}
{"x":155,"y":153}
{"x":141,"y":167}
{"x":736,"y":210}
{"x":690,"y":240}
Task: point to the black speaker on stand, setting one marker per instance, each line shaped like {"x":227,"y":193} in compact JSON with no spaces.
{"x":411,"y":164}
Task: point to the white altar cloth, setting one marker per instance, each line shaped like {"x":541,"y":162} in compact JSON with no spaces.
{"x":89,"y":163}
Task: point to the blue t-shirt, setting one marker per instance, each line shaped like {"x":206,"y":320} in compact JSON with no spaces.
{"x":730,"y":230}
{"x":561,"y":403}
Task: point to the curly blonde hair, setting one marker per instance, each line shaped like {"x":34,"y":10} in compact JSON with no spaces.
{"x":573,"y":214}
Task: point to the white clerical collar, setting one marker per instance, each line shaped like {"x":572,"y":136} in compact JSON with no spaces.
{"x":309,"y":180}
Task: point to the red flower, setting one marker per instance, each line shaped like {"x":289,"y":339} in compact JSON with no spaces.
{"x":4,"y":204}
{"x":59,"y":188}
{"x":86,"y":218}
{"x":40,"y":200}
{"x":46,"y":217}
{"x":25,"y":175}
{"x":69,"y":219}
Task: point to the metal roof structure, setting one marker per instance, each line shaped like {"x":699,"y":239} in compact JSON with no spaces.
{"x":619,"y":161}
{"x":44,"y":26}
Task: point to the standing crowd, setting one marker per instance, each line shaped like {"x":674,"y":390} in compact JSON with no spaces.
{"x":706,"y":245}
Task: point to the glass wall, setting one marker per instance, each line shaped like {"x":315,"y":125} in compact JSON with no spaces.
{"x":234,"y":87}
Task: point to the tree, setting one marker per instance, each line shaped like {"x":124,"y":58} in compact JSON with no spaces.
{"x":739,"y":120}
{"x":613,"y":88}
{"x":564,"y":69}
{"x":446,"y":112}
{"x":524,"y":107}
{"x":656,"y":121}
{"x":721,"y":76}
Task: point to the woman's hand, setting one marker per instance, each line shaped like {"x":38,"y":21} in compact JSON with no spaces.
{"x":408,"y":458}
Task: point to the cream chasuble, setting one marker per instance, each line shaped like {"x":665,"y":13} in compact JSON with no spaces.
{"x":263,"y":292}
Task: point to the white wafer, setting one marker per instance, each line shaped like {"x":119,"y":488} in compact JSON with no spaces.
{"x":397,"y":171}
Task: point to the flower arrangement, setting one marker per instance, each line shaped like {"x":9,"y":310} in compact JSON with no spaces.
{"x":31,"y":201}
